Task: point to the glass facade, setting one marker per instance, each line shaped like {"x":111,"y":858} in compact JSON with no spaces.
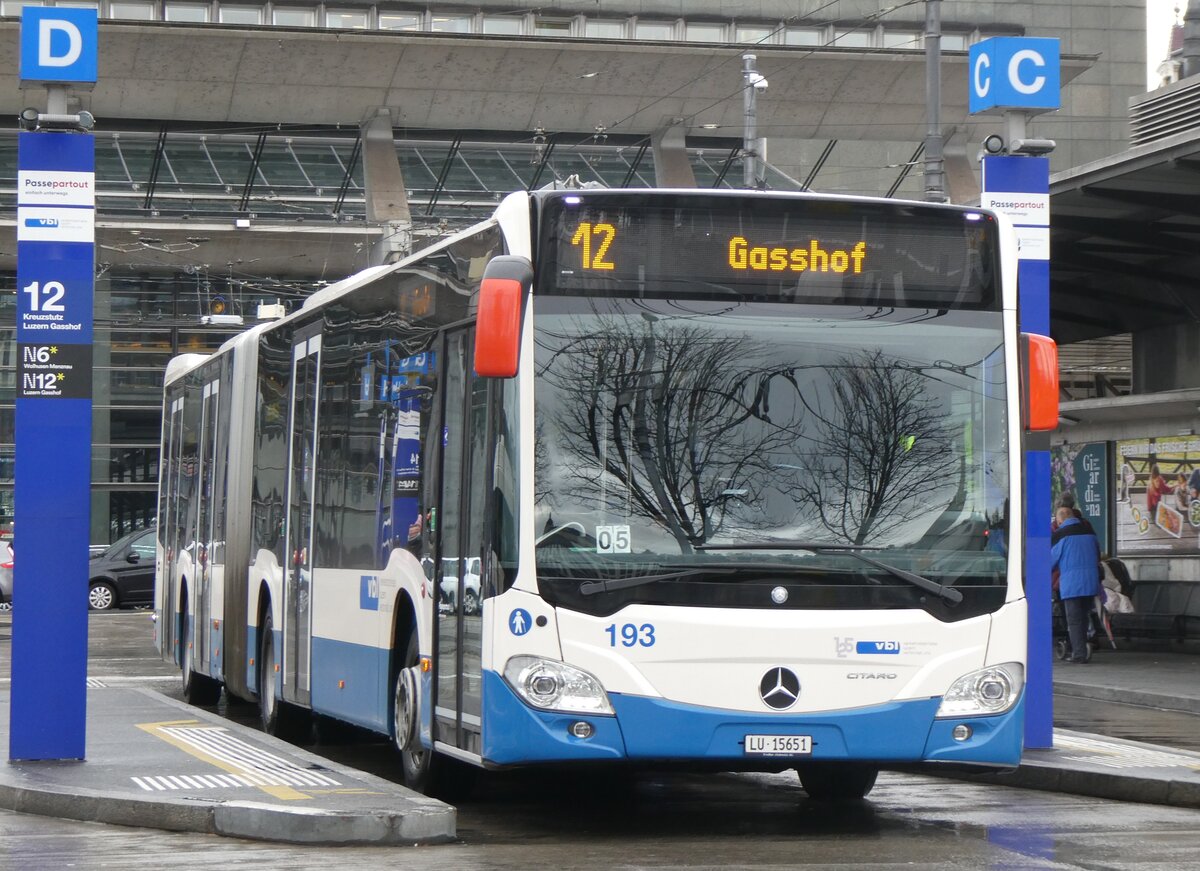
{"x":146,"y":314}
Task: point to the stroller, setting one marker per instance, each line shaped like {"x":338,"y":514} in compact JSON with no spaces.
{"x":1099,"y":626}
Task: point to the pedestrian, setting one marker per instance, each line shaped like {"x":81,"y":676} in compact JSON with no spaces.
{"x":1068,"y":501}
{"x":1075,"y":552}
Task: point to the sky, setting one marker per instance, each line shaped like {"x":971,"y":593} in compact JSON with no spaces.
{"x":1160,"y":14}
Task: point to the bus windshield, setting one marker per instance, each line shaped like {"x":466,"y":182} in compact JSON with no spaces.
{"x":701,"y":444}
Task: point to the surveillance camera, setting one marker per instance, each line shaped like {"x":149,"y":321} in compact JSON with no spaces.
{"x":758,"y":81}
{"x":994,"y":144}
{"x":1032,"y":146}
{"x":31,"y":119}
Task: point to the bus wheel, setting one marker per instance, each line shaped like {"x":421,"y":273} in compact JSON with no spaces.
{"x":278,"y":718}
{"x":198,"y":689}
{"x":424,"y":770}
{"x":833,"y":781}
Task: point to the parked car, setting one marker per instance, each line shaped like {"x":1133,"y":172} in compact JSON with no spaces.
{"x":6,"y":577}
{"x":449,"y":585}
{"x":123,"y":576}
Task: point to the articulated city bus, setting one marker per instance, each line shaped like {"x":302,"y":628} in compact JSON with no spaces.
{"x":713,"y":478}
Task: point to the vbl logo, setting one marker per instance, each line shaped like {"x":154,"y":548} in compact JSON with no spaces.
{"x":878,"y":647}
{"x":368,"y":592}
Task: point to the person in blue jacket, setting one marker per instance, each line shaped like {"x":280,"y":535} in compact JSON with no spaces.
{"x":1075,"y":552}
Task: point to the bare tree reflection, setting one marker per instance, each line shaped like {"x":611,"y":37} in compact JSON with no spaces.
{"x":667,"y":422}
{"x":880,"y":454}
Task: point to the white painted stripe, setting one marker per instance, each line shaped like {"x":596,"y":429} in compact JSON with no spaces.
{"x":240,"y":755}
{"x":157,"y":784}
{"x":175,"y":781}
{"x":143,"y":784}
{"x":254,"y":763}
{"x":1111,"y":754}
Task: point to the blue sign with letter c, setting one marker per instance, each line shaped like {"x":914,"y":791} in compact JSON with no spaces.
{"x":1014,"y":72}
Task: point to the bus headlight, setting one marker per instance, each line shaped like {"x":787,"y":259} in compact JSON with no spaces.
{"x":555,"y":686}
{"x":991,"y":690}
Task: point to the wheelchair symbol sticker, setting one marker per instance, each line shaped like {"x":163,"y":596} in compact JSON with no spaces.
{"x":519,"y":621}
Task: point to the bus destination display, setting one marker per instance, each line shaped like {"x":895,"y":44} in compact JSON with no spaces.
{"x":819,"y":252}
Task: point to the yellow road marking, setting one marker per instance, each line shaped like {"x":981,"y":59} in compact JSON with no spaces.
{"x":284,"y":793}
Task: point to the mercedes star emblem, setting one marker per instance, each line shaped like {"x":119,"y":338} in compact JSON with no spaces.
{"x":779,"y":688}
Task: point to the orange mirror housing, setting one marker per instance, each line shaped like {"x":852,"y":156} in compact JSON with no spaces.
{"x":1039,"y":383}
{"x":506,"y":280}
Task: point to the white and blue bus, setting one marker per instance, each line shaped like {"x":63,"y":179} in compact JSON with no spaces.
{"x":724,"y":479}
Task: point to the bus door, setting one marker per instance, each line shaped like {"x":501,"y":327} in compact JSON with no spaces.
{"x":204,"y":542}
{"x":460,"y":534}
{"x":298,"y":523}
{"x":168,"y":575}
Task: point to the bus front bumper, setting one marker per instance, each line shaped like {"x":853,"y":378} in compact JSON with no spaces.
{"x":656,"y":729}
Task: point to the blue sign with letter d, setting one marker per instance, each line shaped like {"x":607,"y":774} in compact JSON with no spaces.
{"x":59,"y":45}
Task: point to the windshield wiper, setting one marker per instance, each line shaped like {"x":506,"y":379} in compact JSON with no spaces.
{"x":950,"y":594}
{"x":591,"y":588}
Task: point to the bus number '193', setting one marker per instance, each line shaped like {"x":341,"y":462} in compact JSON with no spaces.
{"x":631,"y":634}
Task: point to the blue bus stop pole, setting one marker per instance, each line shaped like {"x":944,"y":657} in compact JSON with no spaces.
{"x":1020,"y":186}
{"x":56,"y":198}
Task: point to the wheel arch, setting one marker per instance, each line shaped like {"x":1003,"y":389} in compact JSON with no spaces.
{"x":264,"y":605}
{"x":404,"y":626}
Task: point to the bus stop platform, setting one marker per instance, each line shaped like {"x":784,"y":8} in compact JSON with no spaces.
{"x":1084,"y":763}
{"x":156,"y":762}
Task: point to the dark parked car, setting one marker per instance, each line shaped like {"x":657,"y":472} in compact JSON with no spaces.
{"x":6,"y":576}
{"x":123,"y":576}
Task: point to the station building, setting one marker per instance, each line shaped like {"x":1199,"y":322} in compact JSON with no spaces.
{"x":248,"y":153}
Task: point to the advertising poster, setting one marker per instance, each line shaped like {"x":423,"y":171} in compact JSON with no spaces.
{"x":1082,"y":471}
{"x":1157,"y":484}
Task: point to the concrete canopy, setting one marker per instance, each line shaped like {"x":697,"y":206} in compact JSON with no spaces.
{"x":1125,"y":241}
{"x":218,"y":73}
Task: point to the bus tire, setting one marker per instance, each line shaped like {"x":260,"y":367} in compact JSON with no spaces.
{"x":198,"y":689}
{"x":279,"y":718}
{"x":837,"y":781}
{"x":424,"y":770}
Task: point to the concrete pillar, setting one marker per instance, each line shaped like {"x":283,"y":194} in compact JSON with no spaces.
{"x":962,"y":184}
{"x":672,"y":169}
{"x":387,"y":196}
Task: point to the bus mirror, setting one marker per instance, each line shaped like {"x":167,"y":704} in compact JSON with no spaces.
{"x":498,"y":323}
{"x":1039,"y":383}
